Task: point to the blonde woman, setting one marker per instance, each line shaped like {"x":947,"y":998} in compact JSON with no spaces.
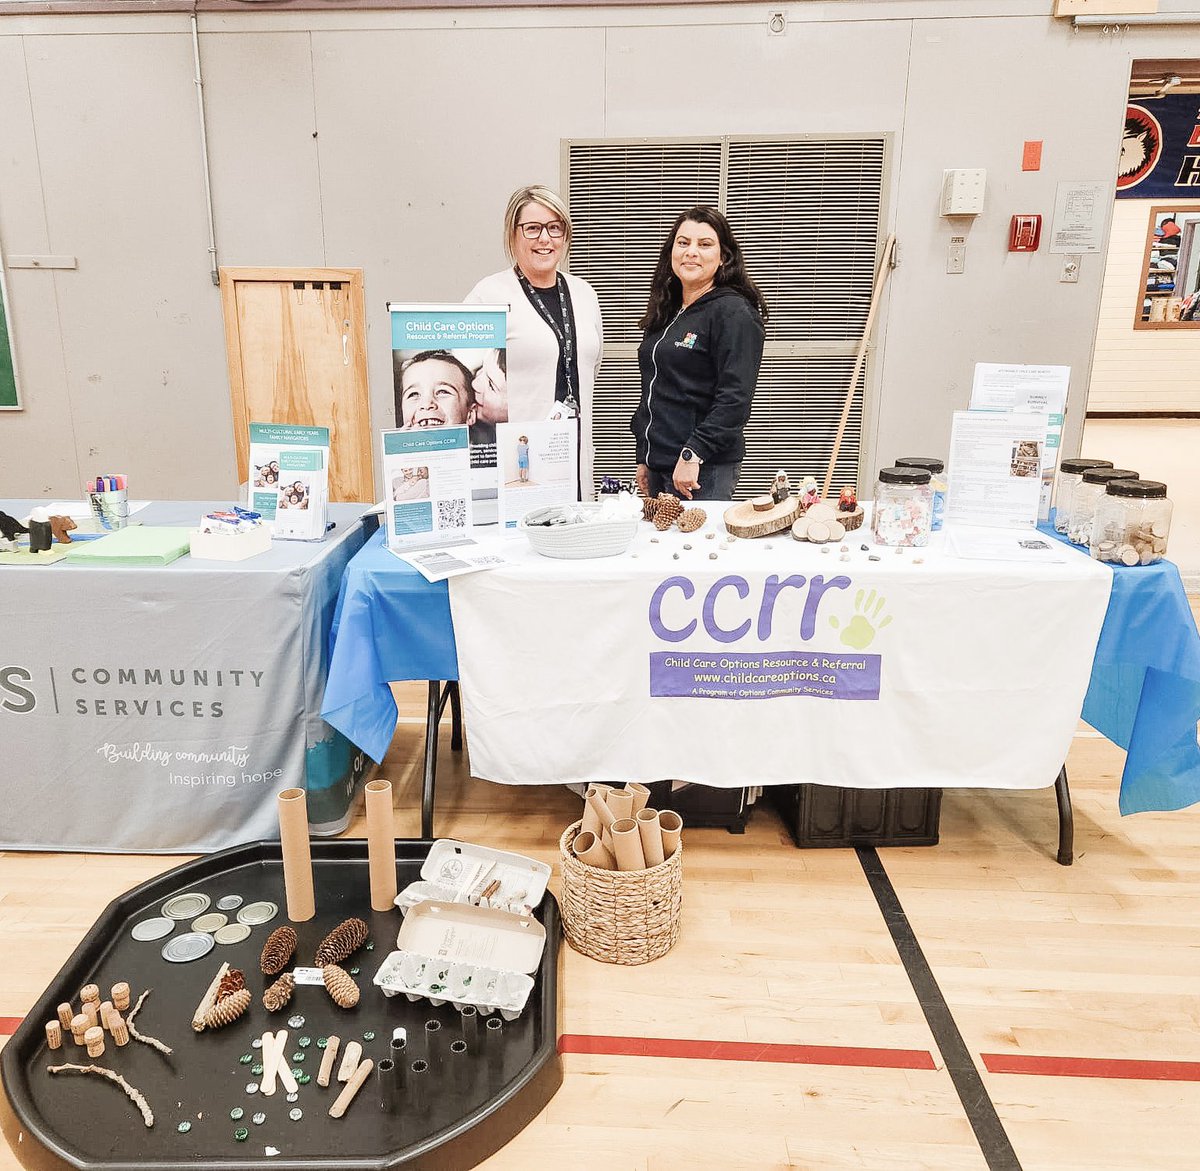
{"x":555,"y":336}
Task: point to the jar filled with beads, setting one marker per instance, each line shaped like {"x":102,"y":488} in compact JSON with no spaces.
{"x":1132,"y":523}
{"x":1070,"y":472}
{"x":903,"y":512}
{"x":1084,"y":498}
{"x":937,"y":481}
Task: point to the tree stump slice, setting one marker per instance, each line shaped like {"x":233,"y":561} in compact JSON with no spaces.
{"x":744,"y":520}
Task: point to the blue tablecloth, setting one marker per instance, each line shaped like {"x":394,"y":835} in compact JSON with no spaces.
{"x":391,"y":625}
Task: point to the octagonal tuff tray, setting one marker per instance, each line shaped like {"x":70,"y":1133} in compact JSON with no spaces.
{"x":469,"y":1105}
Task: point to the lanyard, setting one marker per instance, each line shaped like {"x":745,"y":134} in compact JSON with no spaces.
{"x":565,"y":336}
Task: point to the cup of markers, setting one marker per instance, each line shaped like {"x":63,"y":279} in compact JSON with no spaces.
{"x":109,"y":500}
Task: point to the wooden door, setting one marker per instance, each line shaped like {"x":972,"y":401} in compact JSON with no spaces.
{"x":296,"y":341}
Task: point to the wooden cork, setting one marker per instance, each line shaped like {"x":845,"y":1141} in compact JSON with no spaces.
{"x":120,"y":996}
{"x":90,"y":992}
{"x":91,"y":1010}
{"x":94,"y":1040}
{"x":65,"y":1013}
{"x":54,"y":1034}
{"x":106,"y":1010}
{"x":79,"y":1026}
{"x":118,"y":1028}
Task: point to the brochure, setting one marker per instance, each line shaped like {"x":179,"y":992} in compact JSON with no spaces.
{"x":1028,"y":388}
{"x":440,"y":564}
{"x":538,"y":464}
{"x":289,"y":479}
{"x":1005,"y":545}
{"x":449,"y":368}
{"x":995,"y":468}
{"x":427,"y":486}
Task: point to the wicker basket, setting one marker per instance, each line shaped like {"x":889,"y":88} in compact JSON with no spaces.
{"x":620,"y":918}
{"x":602,"y":538}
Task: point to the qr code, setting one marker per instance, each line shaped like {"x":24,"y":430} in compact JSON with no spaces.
{"x":452,"y":514}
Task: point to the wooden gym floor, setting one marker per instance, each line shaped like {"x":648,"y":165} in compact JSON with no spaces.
{"x":1056,"y":1026}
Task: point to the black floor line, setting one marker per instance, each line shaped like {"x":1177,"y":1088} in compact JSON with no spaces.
{"x":981,"y":1111}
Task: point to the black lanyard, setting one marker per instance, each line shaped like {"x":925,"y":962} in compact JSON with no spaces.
{"x":565,"y":335}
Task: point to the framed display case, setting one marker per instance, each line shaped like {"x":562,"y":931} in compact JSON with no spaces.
{"x":1170,"y":272}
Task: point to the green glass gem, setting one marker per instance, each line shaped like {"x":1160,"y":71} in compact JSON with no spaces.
{"x":241,"y":1134}
{"x":246,"y":1058}
{"x":257,"y":1069}
{"x":354,"y":971}
{"x":304,"y":1042}
{"x":303,"y":1078}
{"x":297,"y":1072}
{"x":369,"y":947}
{"x":368,"y":1036}
{"x":236,"y":1113}
{"x":184,"y":1127}
{"x":321,"y":1042}
{"x":299,"y":1055}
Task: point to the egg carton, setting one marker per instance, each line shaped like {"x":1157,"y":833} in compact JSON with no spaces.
{"x":455,"y":953}
{"x":461,"y":872}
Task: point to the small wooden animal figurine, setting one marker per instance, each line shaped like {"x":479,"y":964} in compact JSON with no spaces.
{"x":781,"y":489}
{"x":10,"y":527}
{"x":60,"y":526}
{"x":848,"y":499}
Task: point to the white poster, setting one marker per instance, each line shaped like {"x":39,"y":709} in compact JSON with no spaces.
{"x":289,"y":479}
{"x":1079,"y":211}
{"x":427,"y":487}
{"x":998,"y":387}
{"x":995,"y":468}
{"x":538,"y":466}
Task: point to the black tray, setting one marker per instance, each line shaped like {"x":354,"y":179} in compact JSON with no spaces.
{"x":471,"y":1107}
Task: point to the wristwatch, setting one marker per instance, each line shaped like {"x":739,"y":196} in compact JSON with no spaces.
{"x":689,"y":456}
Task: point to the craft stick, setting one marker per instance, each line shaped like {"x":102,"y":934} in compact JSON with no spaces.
{"x":641,"y":797}
{"x":620,"y":801}
{"x":588,"y":849}
{"x":627,"y":844}
{"x":381,"y":845}
{"x":352,"y":1087}
{"x":331,"y":1049}
{"x":351,"y":1056}
{"x":651,"y":833}
{"x":208,"y":1000}
{"x":270,"y":1064}
{"x":287,"y":1079}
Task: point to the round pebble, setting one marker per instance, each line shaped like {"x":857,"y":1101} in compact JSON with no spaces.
{"x":768,"y":546}
{"x":296,"y":1114}
{"x":293,"y":1097}
{"x":675,"y":556}
{"x":259,"y":1118}
{"x":241,"y":1134}
{"x":826,"y":548}
{"x":257,"y":1069}
{"x":368,"y":1036}
{"x":653,"y":540}
{"x":304,"y":1042}
{"x":687,"y":546}
{"x":709,"y":536}
{"x":252,"y":1087}
{"x":864,"y":548}
{"x":844,"y":549}
{"x":295,"y":1022}
{"x":236,"y":1113}
{"x":184,"y":1127}
{"x":246,"y":1058}
{"x":844,"y":557}
{"x":712,"y":557}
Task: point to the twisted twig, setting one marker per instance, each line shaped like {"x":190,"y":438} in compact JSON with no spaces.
{"x":135,"y":1096}
{"x":153,"y":1042}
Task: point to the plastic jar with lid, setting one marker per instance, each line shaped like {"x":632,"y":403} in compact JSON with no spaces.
{"x":1083,"y":500}
{"x":1070,"y":472}
{"x":903,"y":512}
{"x":1132,"y":523}
{"x":937,"y":481}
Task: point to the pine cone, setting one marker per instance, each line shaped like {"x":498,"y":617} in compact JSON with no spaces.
{"x":668,"y":509}
{"x":277,"y":951}
{"x":278,"y":995}
{"x":345,"y":939}
{"x":226,"y":1011}
{"x":690,"y":519}
{"x":649,"y":508}
{"x":340,"y":986}
{"x":233,"y":981}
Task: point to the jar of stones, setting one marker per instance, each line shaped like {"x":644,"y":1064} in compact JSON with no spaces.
{"x":903,"y":511}
{"x":1070,"y":472}
{"x":1083,"y":500}
{"x":1132,"y":523}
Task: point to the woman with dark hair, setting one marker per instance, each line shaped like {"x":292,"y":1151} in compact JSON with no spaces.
{"x":699,"y":360}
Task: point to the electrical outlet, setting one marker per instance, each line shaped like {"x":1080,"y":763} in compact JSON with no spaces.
{"x":956,"y":255}
{"x":1070,"y":270}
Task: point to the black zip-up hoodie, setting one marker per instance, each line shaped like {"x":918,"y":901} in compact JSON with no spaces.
{"x":698,"y":379}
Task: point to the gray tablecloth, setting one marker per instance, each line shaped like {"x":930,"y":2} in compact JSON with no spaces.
{"x":159,"y":710}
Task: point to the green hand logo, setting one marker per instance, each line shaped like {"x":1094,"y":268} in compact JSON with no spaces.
{"x":861,"y":630}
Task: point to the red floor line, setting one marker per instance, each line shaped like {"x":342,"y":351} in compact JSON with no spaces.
{"x":747,"y":1051}
{"x":8,"y":1025}
{"x":1101,"y":1067}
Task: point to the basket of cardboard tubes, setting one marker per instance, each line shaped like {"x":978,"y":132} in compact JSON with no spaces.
{"x":622,"y":885}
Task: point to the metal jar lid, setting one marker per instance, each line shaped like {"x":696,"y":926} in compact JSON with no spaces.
{"x":187,"y":947}
{"x":928,"y":462}
{"x":1103,"y":475}
{"x":256,"y":913}
{"x":911,"y":477}
{"x":151,"y":929}
{"x":210,"y":922}
{"x":1076,"y":467}
{"x":186,"y":906}
{"x":229,"y":902}
{"x":233,"y":933}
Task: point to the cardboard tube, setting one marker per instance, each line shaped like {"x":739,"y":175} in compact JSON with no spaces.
{"x":591,"y":822}
{"x":599,"y":808}
{"x":352,"y":1087}
{"x":620,"y":801}
{"x":627,"y":843}
{"x":641,"y":795}
{"x":297,"y":857}
{"x":331,"y":1049}
{"x":651,"y":834}
{"x":671,"y":825}
{"x":587,"y":848}
{"x":381,"y":845}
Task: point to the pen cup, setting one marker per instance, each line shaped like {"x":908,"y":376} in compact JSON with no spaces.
{"x":111,"y":509}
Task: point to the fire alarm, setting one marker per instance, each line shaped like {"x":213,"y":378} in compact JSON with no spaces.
{"x":1024,"y":233}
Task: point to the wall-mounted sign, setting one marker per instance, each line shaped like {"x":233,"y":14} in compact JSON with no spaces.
{"x":1160,"y":149}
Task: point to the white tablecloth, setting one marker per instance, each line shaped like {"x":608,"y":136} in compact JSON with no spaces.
{"x":775,"y":662}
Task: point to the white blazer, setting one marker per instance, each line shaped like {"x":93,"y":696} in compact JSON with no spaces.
{"x":533,"y":355}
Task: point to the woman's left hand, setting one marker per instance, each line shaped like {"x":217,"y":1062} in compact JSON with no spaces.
{"x":686,"y":478}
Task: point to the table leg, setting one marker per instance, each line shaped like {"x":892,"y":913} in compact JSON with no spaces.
{"x":433,"y":717}
{"x":1066,"y":819}
{"x":455,"y":716}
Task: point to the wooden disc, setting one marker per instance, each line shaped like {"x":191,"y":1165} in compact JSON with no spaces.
{"x":837,"y":530}
{"x":800,"y":529}
{"x":818,"y":531}
{"x":744,"y":520}
{"x":762,"y":503}
{"x":822,"y":511}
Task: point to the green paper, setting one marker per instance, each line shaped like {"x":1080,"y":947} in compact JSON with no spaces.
{"x":139,"y":546}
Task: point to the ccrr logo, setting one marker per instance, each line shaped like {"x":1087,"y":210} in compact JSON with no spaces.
{"x":15,"y":697}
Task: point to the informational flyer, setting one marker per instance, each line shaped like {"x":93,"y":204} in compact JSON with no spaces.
{"x":289,"y":478}
{"x":998,"y":387}
{"x":449,"y":368}
{"x":427,"y":488}
{"x":439,"y":564}
{"x":995,"y":468}
{"x":1005,"y":545}
{"x":538,"y":464}
{"x":1080,"y":207}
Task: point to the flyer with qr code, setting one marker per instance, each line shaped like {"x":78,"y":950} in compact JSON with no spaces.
{"x":427,"y":488}
{"x":449,"y":368}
